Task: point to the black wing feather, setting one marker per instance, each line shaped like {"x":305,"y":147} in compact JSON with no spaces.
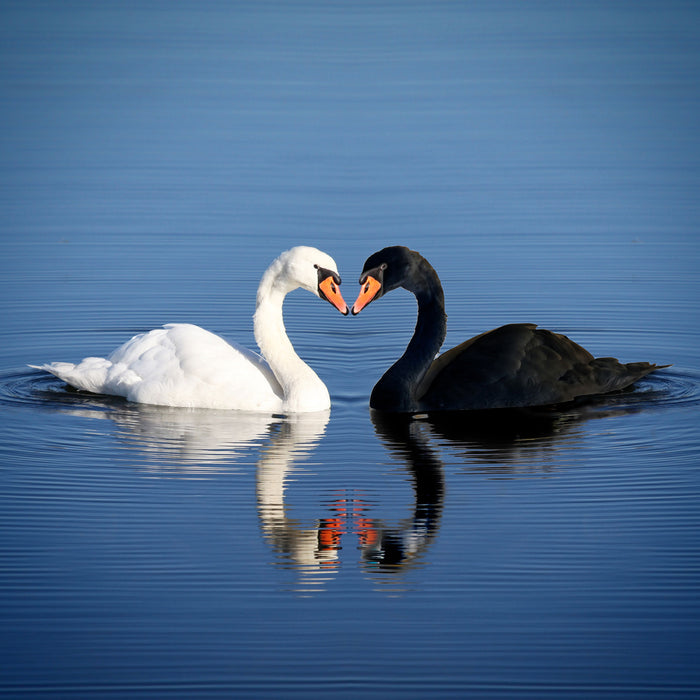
{"x":521,"y":365}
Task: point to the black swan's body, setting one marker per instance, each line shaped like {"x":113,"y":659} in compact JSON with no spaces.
{"x":514,"y":366}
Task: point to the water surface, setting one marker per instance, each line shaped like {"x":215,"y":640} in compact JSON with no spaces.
{"x":156,"y":158}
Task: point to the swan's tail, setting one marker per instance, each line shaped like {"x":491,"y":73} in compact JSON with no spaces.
{"x":90,"y":375}
{"x":614,"y":375}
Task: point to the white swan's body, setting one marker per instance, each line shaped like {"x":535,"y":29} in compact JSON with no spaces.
{"x":185,"y":365}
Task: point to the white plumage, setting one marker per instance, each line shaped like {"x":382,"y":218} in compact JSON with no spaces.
{"x":185,"y":365}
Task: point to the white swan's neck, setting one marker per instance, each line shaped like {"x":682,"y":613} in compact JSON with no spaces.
{"x":302,"y":389}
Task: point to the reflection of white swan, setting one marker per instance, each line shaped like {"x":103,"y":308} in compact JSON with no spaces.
{"x":296,"y":438}
{"x":185,"y":365}
{"x":192,"y":443}
{"x":186,"y":441}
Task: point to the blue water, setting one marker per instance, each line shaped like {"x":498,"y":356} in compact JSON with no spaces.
{"x":156,"y":157}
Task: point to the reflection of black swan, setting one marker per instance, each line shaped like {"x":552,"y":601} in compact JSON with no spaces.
{"x":507,"y":440}
{"x":499,"y":427}
{"x":394,"y":548}
{"x":512,"y":366}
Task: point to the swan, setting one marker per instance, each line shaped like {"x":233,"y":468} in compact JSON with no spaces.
{"x":514,"y":366}
{"x":184,"y":365}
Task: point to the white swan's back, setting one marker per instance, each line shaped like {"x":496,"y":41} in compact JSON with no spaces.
{"x":184,"y":365}
{"x":178,"y":365}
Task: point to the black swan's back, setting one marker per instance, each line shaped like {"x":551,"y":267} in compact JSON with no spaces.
{"x":521,"y":365}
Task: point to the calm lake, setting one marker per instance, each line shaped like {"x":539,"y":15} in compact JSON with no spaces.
{"x":156,"y":157}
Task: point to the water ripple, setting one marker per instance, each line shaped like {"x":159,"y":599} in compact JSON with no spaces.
{"x":36,"y":389}
{"x":40,"y":390}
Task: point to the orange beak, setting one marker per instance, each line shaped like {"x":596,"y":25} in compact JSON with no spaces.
{"x":330,"y":292}
{"x":368,"y":291}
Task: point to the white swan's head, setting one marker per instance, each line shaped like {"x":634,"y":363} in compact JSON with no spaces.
{"x":308,"y":268}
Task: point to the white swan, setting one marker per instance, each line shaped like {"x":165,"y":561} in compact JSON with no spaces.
{"x":187,"y":366}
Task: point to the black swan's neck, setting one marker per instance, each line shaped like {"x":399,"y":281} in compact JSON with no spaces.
{"x":396,"y":390}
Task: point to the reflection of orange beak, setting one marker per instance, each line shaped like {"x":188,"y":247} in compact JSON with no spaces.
{"x":369,"y":290}
{"x":330,"y":532}
{"x":330,"y":292}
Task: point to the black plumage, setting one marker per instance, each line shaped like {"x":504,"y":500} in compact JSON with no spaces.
{"x":514,"y":366}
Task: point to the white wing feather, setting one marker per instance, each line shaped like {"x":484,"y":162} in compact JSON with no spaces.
{"x":178,"y":365}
